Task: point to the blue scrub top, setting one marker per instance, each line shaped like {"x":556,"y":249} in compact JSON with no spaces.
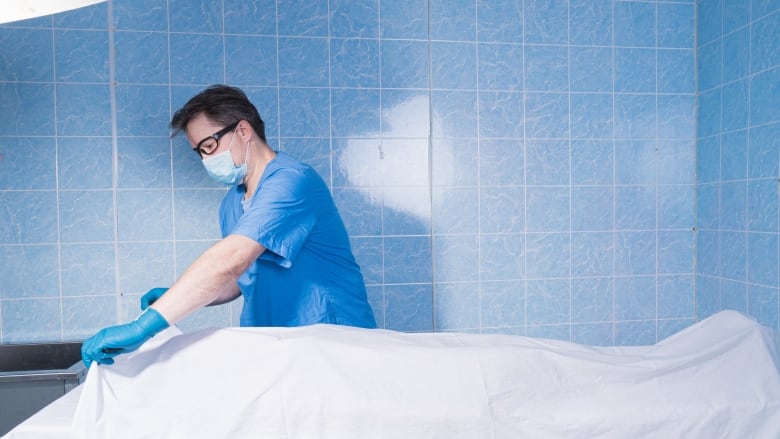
{"x":307,"y":274}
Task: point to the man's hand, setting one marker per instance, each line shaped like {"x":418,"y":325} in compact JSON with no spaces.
{"x":112,"y":341}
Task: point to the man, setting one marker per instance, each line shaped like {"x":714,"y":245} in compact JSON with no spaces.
{"x":284,"y":246}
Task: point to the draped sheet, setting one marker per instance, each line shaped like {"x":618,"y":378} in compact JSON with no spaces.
{"x":717,"y":378}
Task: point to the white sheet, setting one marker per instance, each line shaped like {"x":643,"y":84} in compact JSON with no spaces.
{"x":718,"y":378}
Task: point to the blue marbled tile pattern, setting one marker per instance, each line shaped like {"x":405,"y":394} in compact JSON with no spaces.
{"x":531,"y":167}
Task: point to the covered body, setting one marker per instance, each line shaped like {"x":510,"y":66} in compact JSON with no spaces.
{"x":718,"y":378}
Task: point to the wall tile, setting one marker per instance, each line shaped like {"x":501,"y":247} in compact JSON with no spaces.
{"x":764,"y":92}
{"x":591,"y":300}
{"x":145,"y":265}
{"x":73,"y":120}
{"x":500,"y":21}
{"x":675,"y":251}
{"x":35,"y":320}
{"x":592,"y":162}
{"x":456,"y":306}
{"x":354,"y":112}
{"x":762,"y":208}
{"x":84,"y":163}
{"x":500,"y":66}
{"x":31,"y":217}
{"x":88,"y":17}
{"x":144,"y":215}
{"x":736,"y":48}
{"x":635,"y":253}
{"x":353,"y":63}
{"x":636,"y":333}
{"x":38,"y":102}
{"x":502,"y":303}
{"x":635,"y":24}
{"x":453,"y":65}
{"x":28,"y":271}
{"x":304,"y":112}
{"x":501,"y":162}
{"x":303,"y":18}
{"x":78,"y":325}
{"x":87,"y":269}
{"x":591,"y":116}
{"x":354,"y":18}
{"x":26,"y":55}
{"x":762,"y":258}
{"x":675,"y":25}
{"x":546,"y":68}
{"x":675,"y":71}
{"x":764,"y":53}
{"x":141,"y":57}
{"x":545,"y":21}
{"x":86,"y":216}
{"x":454,"y":113}
{"x":455,"y":258}
{"x":405,"y":64}
{"x":548,"y":301}
{"x":501,"y":114}
{"x":762,"y":305}
{"x":502,"y":257}
{"x":407,"y":259}
{"x":590,"y":22}
{"x":188,"y":15}
{"x":635,"y":116}
{"x":592,"y":208}
{"x":148,"y":15}
{"x":501,"y":209}
{"x":406,"y":19}
{"x":188,"y":65}
{"x":590,"y":69}
{"x":764,"y":151}
{"x":27,"y":163}
{"x":142,"y":110}
{"x":196,"y":213}
{"x":409,"y":308}
{"x":547,"y":255}
{"x":81,"y":55}
{"x":254,"y":17}
{"x":635,"y":297}
{"x":635,"y":207}
{"x":548,"y":209}
{"x":635,"y":70}
{"x":592,"y":254}
{"x":458,"y":210}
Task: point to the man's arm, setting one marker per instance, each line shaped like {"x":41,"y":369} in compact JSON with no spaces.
{"x":211,"y":279}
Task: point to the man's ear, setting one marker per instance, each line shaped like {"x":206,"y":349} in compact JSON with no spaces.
{"x":244,"y":130}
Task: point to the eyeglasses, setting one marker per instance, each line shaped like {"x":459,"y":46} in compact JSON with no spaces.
{"x":210,"y":144}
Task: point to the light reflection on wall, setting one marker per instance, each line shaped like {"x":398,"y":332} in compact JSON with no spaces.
{"x":396,"y":162}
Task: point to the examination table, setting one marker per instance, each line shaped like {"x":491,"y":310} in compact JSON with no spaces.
{"x":718,"y":378}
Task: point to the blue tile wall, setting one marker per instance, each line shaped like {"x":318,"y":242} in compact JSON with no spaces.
{"x":525,"y":167}
{"x":738,"y":159}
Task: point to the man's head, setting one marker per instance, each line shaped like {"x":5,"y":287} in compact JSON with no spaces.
{"x":222,"y":105}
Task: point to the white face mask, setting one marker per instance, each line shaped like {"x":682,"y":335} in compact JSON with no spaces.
{"x":222,"y":169}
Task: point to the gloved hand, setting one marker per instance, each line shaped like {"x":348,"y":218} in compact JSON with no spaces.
{"x":114,"y":340}
{"x":151,"y":296}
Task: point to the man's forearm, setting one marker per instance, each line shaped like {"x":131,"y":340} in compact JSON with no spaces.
{"x":211,"y":278}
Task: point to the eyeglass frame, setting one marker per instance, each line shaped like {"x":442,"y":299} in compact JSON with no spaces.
{"x":216,"y":136}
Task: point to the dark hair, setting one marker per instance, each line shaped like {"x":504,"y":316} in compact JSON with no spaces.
{"x":221,"y":104}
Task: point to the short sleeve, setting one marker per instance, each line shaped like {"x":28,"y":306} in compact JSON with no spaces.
{"x":281,"y":215}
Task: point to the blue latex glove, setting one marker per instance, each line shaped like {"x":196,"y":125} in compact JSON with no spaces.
{"x":151,"y":296}
{"x":114,"y":340}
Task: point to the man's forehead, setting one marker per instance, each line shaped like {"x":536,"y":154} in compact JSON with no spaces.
{"x":199,"y":127}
